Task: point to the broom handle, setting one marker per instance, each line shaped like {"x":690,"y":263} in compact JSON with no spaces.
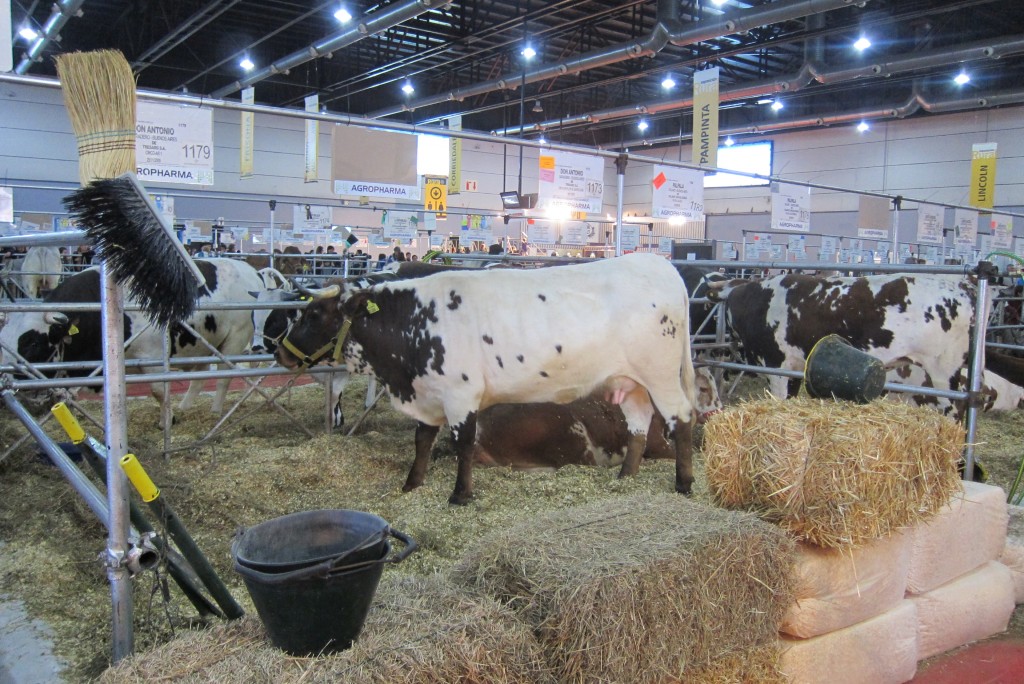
{"x":168,"y":229}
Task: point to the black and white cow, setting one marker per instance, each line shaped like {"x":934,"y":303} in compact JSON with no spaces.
{"x":40,"y":337}
{"x":898,"y":318}
{"x":270,"y":325}
{"x":451,"y":344}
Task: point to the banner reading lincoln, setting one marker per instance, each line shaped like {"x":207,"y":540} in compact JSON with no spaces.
{"x":705,"y":117}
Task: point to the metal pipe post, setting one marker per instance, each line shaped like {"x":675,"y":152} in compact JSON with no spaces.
{"x":977,"y":369}
{"x":115,"y":415}
{"x":620,"y":177}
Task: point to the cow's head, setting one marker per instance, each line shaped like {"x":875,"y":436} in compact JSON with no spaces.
{"x":270,"y":325}
{"x":718,"y":289}
{"x":319,"y":332}
{"x":708,"y":400}
{"x":36,"y":337}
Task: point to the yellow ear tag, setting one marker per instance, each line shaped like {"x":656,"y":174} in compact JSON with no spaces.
{"x":372,"y":308}
{"x":72,"y":330}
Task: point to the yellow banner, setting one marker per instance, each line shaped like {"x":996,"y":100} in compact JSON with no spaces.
{"x":435,"y":196}
{"x":454,"y":157}
{"x":705,"y":117}
{"x":312,"y":140}
{"x":983,"y":175}
{"x":248,"y":130}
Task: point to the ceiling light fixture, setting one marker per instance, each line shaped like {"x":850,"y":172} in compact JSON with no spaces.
{"x":765,"y":100}
{"x":407,"y":88}
{"x":529,"y":52}
{"x":541,"y":140}
{"x":668,"y":83}
{"x":729,"y":142}
{"x":776,"y":105}
{"x":538,"y":107}
{"x":28,"y":33}
{"x":642,"y":125}
{"x":862,"y":44}
{"x":718,"y":3}
{"x":962,"y":78}
{"x":343,"y":15}
{"x":247,"y":64}
{"x":863,"y":126}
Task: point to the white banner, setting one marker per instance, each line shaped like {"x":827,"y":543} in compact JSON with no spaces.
{"x":677,"y":192}
{"x":6,"y":205}
{"x":173,"y":144}
{"x":930,"y":219}
{"x":541,"y":232}
{"x":309,"y":217}
{"x":575,"y":233}
{"x":311,"y":166}
{"x":665,"y":245}
{"x":475,"y":227}
{"x":570,"y":181}
{"x":966,"y":222}
{"x":1002,"y":231}
{"x":827,"y":251}
{"x":630,"y":237}
{"x":390,"y":191}
{"x":791,"y":207}
{"x":400,"y":224}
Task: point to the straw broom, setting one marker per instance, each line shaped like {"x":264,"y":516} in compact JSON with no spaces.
{"x":134,"y":240}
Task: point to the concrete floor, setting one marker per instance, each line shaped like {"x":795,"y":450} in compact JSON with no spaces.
{"x":26,"y":647}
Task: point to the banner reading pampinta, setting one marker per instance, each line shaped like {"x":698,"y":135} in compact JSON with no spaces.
{"x":705,"y":117}
{"x":173,"y":144}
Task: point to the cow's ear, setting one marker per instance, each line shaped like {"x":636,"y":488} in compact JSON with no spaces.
{"x":360,"y":303}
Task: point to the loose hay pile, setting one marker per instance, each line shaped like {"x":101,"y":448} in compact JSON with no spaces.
{"x":833,"y":473}
{"x":650,"y":587}
{"x":419,"y":631}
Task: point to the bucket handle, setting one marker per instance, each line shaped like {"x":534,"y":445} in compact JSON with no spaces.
{"x":408,"y":542}
{"x":329,"y":567}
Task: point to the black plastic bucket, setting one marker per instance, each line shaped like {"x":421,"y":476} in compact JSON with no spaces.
{"x":312,"y":575}
{"x":836,"y":369}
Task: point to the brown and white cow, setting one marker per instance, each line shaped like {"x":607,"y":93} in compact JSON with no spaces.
{"x":448,"y":345}
{"x":997,"y":393}
{"x":590,"y":431}
{"x":898,"y":318}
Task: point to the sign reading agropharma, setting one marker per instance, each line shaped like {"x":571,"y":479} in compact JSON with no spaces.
{"x":173,"y":144}
{"x":377,"y":190}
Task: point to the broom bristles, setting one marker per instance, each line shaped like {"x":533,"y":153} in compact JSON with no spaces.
{"x":99,"y":93}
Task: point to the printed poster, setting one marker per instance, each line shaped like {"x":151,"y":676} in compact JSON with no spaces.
{"x":173,"y":143}
{"x":930,"y":224}
{"x":570,"y":181}
{"x":677,"y":192}
{"x":791,"y":207}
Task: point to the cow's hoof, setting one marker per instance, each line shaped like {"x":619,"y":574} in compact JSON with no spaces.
{"x":406,"y":488}
{"x":457,"y":500}
{"x":684,"y":488}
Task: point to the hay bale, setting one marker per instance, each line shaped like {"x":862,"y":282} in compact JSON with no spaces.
{"x":834,"y":473}
{"x":419,"y":631}
{"x":649,"y":587}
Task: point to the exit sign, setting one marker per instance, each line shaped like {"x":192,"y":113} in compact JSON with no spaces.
{"x":469,"y":186}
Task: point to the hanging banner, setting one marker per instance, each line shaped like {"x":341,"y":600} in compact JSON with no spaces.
{"x":245,"y":165}
{"x":6,"y":205}
{"x":435,"y":195}
{"x":402,"y":225}
{"x":173,"y":144}
{"x":309,"y":218}
{"x":791,"y":207}
{"x":455,"y":157}
{"x":311,"y":166}
{"x":475,"y":227}
{"x":930,"y":220}
{"x":541,"y":232}
{"x":677,"y":192}
{"x":983,"y":175}
{"x":827,"y":250}
{"x":873,"y":217}
{"x":1002,"y":231}
{"x":705,"y":117}
{"x":966,"y":222}
{"x":797,"y":247}
{"x":630,"y":237}
{"x":570,"y":182}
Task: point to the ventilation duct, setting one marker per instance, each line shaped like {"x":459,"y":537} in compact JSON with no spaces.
{"x":668,"y":29}
{"x":370,"y":25}
{"x":62,"y":12}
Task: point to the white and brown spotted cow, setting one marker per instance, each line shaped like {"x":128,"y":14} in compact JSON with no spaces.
{"x":448,"y":345}
{"x":897,"y":318}
{"x":997,"y":393}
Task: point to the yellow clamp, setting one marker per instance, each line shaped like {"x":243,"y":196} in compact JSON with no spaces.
{"x":139,"y":478}
{"x":67,"y":421}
